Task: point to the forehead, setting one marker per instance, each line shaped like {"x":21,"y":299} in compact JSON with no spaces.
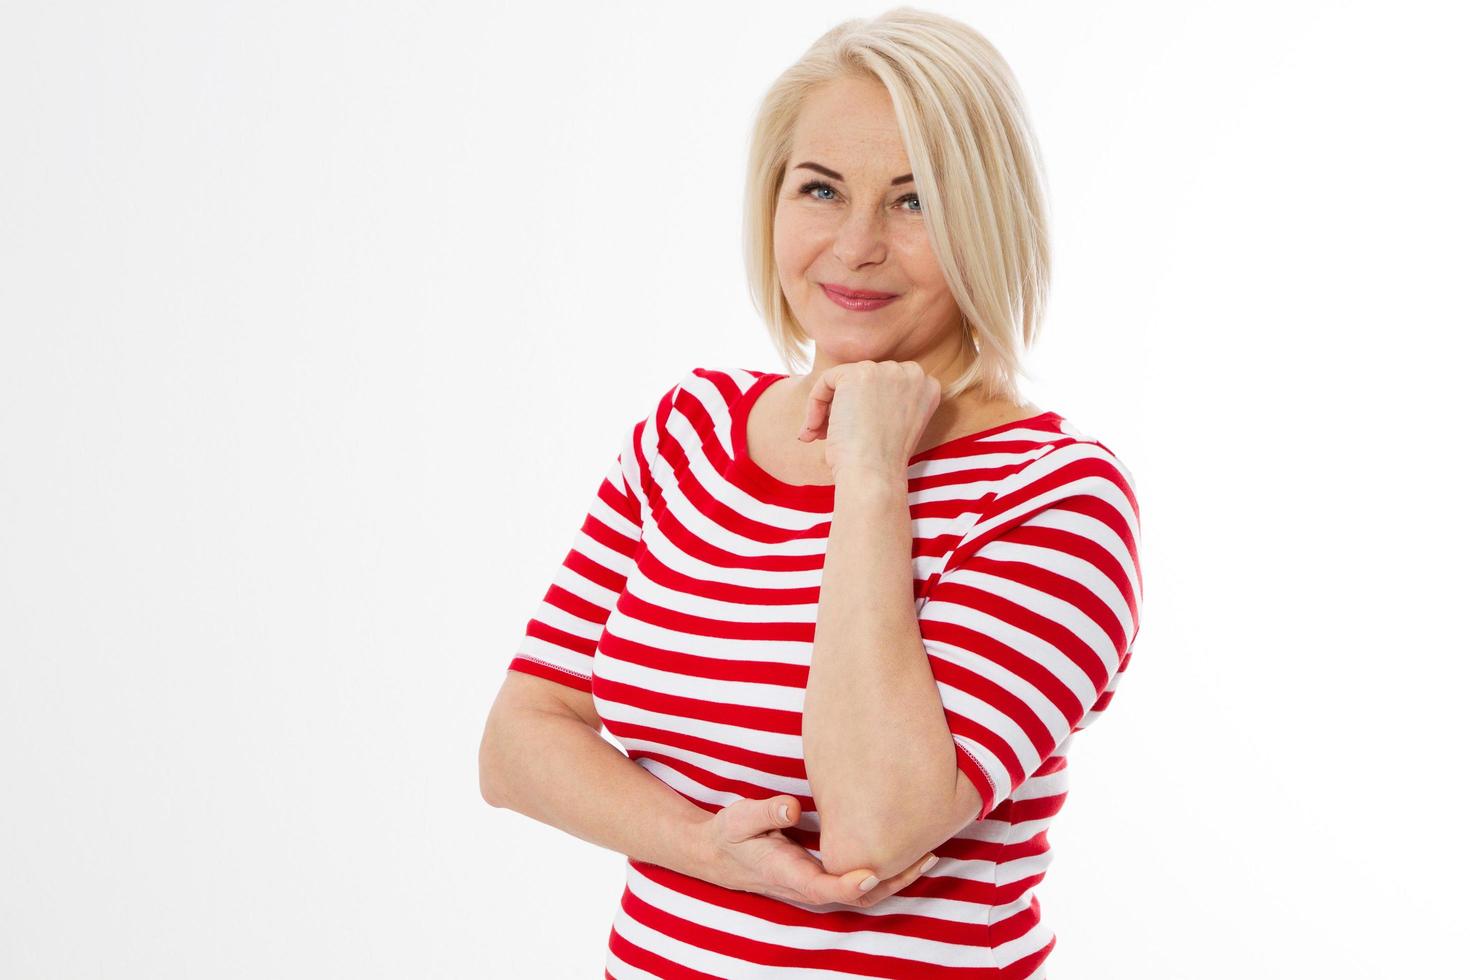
{"x":850,"y":125}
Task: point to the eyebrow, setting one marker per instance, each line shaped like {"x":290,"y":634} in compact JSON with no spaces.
{"x":905,"y":179}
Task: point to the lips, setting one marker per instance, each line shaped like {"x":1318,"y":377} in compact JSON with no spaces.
{"x":859,"y":304}
{"x":856,"y":293}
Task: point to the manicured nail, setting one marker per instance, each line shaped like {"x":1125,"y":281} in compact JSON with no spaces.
{"x":933,"y":860}
{"x":785,"y":812}
{"x":868,"y":883}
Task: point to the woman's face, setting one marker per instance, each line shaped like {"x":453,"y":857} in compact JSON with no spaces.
{"x":848,"y":215}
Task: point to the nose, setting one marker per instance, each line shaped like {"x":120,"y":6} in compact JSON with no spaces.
{"x":861,"y":239}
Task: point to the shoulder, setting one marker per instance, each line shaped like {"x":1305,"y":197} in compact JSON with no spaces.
{"x":1071,"y":466}
{"x":1074,"y":494}
{"x":1061,"y":450}
{"x":1039,"y":451}
{"x":710,"y":390}
{"x":695,"y":396}
{"x":1055,"y":466}
{"x":728,"y":381}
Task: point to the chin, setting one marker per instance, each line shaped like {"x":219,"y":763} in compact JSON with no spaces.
{"x":844,"y":346}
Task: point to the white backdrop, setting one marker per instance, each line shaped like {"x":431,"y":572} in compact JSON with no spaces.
{"x":322,"y":321}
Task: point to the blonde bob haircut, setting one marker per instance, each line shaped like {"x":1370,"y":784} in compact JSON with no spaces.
{"x":976,"y":166}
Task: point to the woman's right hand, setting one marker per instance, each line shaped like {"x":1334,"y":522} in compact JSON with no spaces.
{"x":750,"y":853}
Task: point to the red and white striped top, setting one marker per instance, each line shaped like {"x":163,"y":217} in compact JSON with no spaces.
{"x":687,"y":604}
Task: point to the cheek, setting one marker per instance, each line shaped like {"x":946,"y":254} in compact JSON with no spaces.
{"x":919,"y":262}
{"x":794,"y":243}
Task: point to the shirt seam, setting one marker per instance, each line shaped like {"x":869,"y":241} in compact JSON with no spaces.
{"x":564,"y":670}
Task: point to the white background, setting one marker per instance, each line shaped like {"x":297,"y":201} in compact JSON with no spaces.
{"x":321,"y":323}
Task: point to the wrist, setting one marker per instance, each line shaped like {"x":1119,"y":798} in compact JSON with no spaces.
{"x":699,"y":856}
{"x":870,"y":479}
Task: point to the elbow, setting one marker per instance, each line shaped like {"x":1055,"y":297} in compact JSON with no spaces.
{"x":489,"y":788}
{"x":882,"y":849}
{"x":886,"y":843}
{"x":486,"y":792}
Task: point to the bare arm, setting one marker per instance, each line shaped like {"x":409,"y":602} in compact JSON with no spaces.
{"x":547,"y":762}
{"x":878,"y":749}
{"x":541,"y":756}
{"x":1031,"y":626}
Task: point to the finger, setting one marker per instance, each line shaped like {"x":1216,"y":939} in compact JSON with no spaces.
{"x":816,"y":422}
{"x":796,"y":873}
{"x":825,"y":386}
{"x":898,"y":882}
{"x":852,"y":884}
{"x":819,"y":401}
{"x":809,"y":881}
{"x":745,"y":819}
{"x":816,"y":887}
{"x":818,"y":408}
{"x":849,"y":890}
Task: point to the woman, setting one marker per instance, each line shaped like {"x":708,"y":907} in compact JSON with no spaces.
{"x":844,"y":623}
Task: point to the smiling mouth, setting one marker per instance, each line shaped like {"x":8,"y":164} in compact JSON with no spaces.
{"x":856,"y":293}
{"x":857,"y":304}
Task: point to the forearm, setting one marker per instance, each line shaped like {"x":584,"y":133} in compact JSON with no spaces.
{"x":878,"y":750}
{"x":556,"y":770}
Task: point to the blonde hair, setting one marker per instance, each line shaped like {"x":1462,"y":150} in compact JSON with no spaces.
{"x":976,"y":166}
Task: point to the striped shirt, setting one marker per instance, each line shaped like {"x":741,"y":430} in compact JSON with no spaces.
{"x":687,"y":607}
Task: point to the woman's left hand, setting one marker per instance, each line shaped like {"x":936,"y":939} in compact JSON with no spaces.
{"x":872,"y":414}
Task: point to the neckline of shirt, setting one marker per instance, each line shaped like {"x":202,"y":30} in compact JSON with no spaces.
{"x":821,"y":496}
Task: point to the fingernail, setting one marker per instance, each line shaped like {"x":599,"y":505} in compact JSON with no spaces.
{"x":933,"y":860}
{"x":785,"y":812}
{"x":868,"y":883}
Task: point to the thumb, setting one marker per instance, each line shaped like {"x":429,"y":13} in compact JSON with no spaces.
{"x":747,"y":818}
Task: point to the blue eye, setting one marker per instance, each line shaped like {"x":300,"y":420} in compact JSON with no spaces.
{"x":813,"y":185}
{"x":822,"y":185}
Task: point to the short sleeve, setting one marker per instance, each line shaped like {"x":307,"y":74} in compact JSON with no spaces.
{"x":1032,"y":621}
{"x":562,"y":635}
